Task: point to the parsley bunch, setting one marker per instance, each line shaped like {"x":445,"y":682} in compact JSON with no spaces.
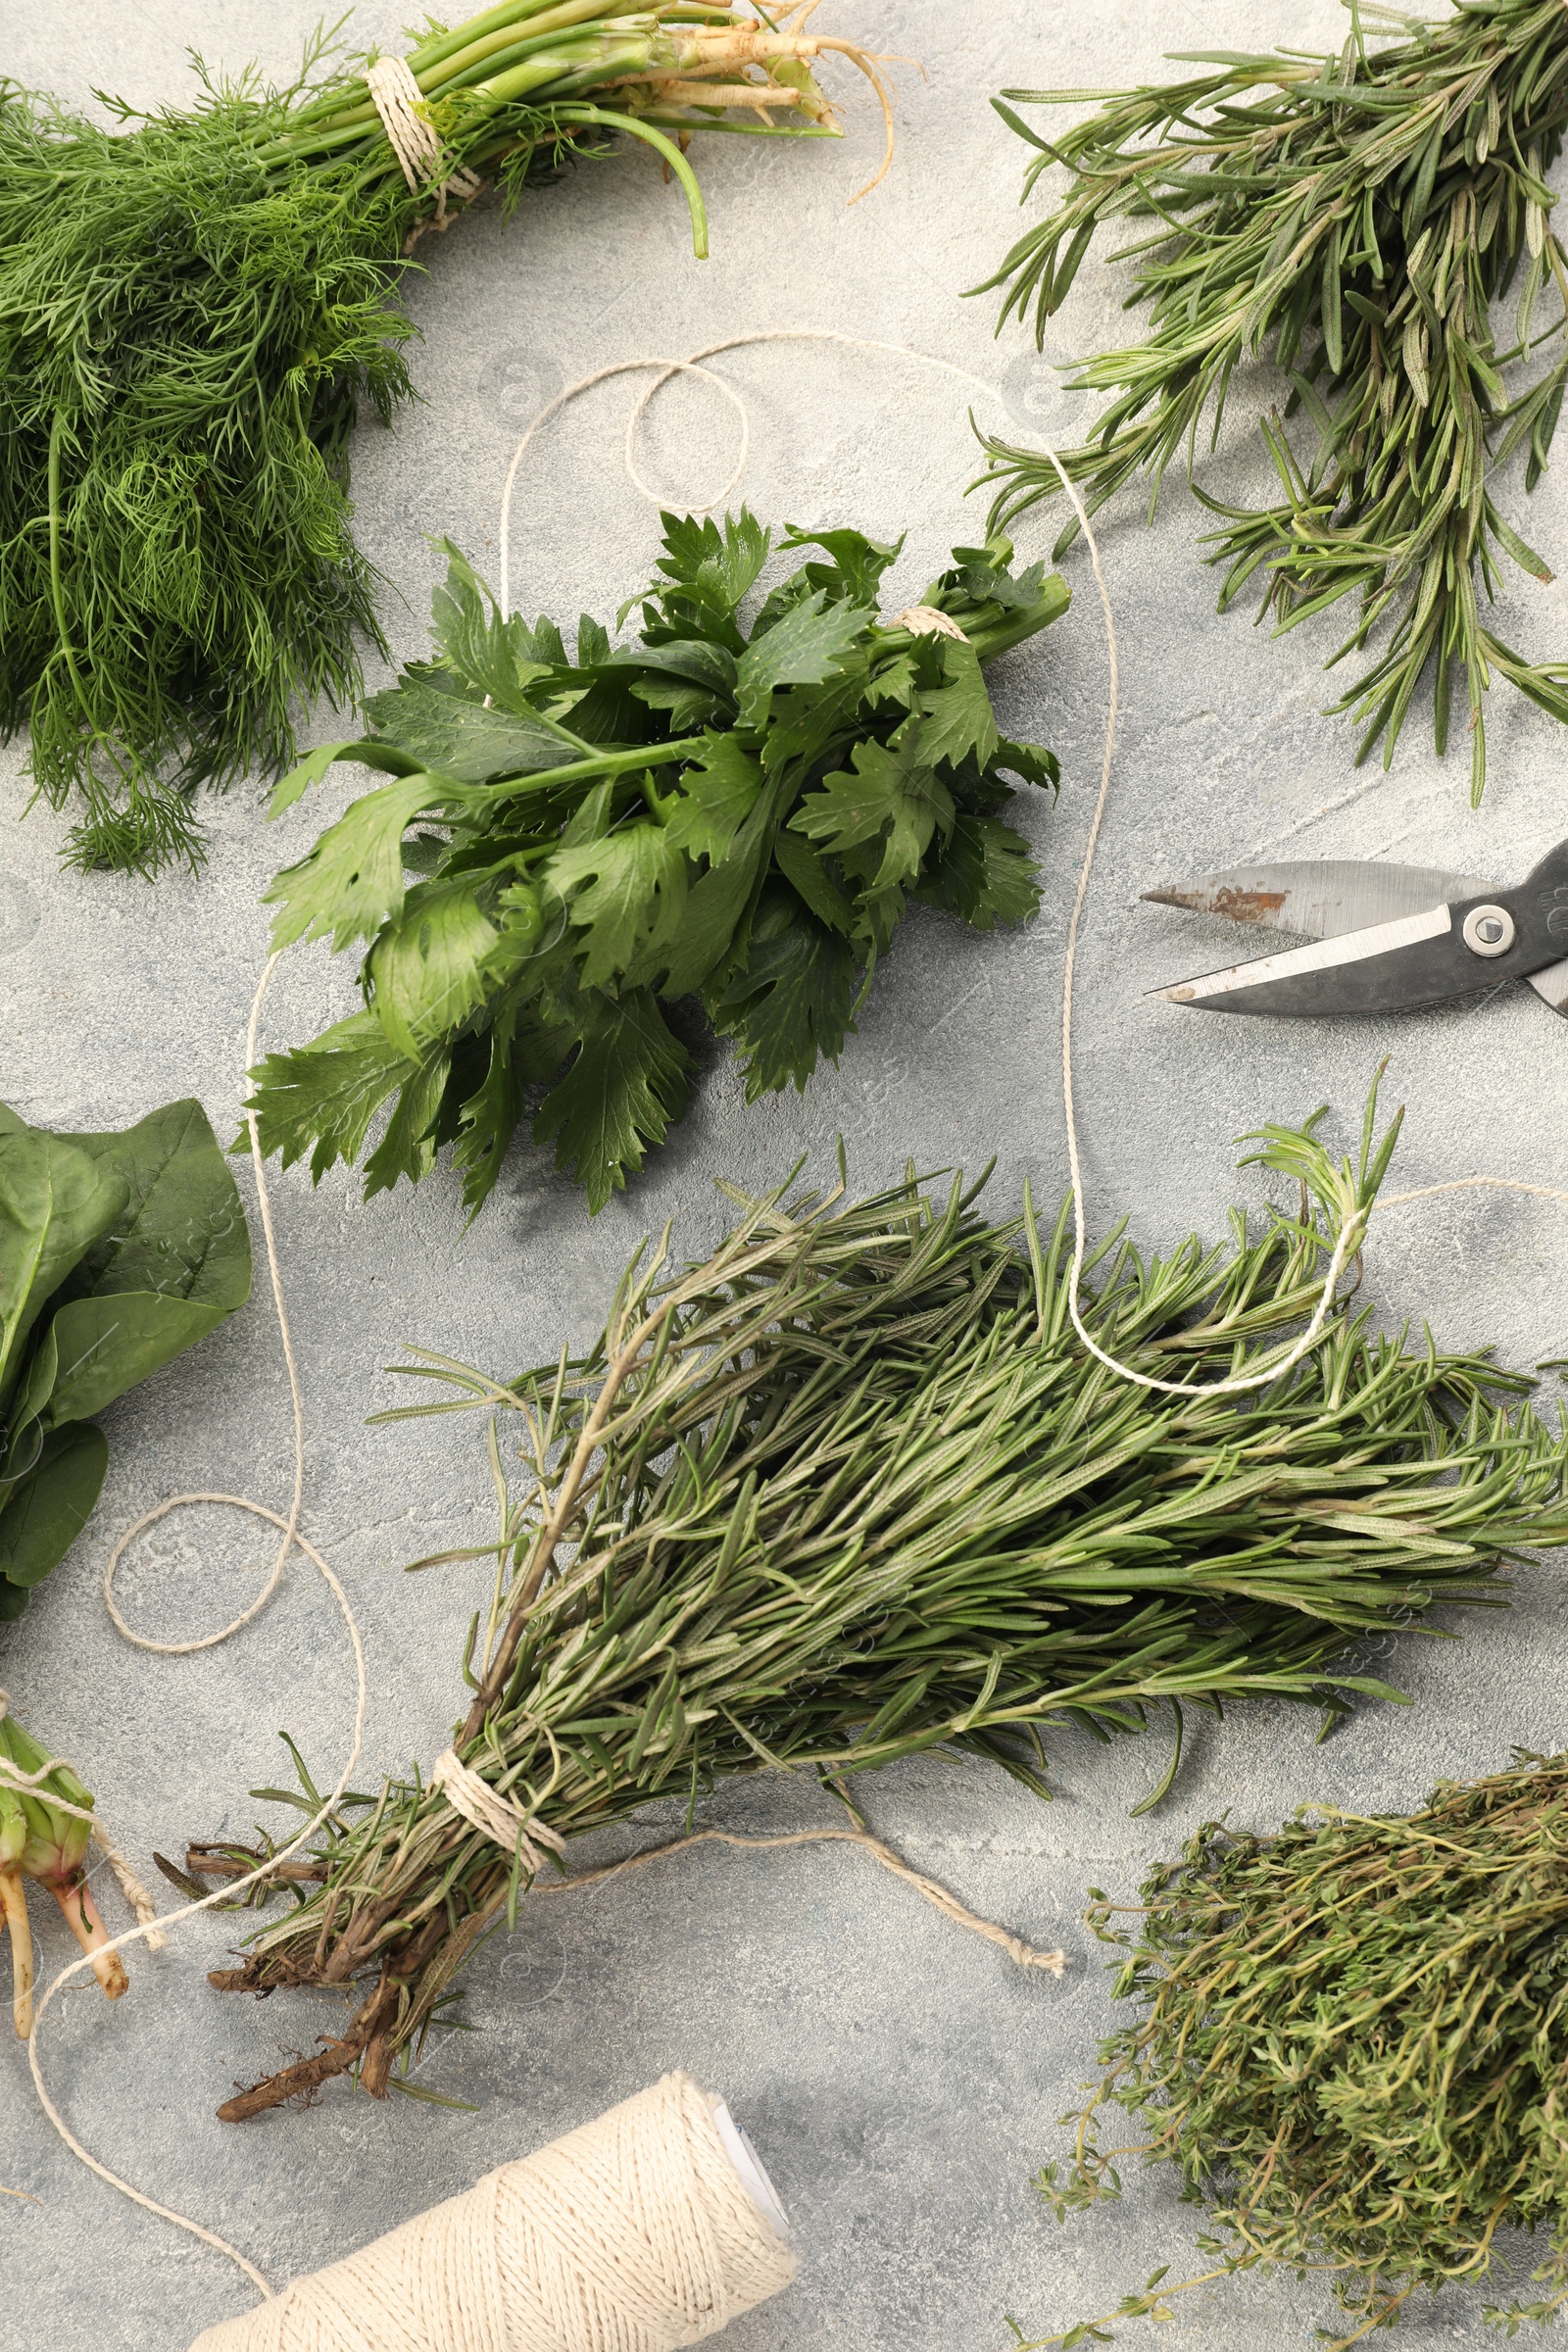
{"x":737,"y":814}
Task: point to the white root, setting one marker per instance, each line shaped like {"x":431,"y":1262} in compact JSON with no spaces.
{"x":14,"y":1903}
{"x":707,"y":50}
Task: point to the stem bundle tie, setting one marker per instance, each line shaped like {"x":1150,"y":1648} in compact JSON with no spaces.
{"x":497,"y":1816}
{"x":413,"y":137}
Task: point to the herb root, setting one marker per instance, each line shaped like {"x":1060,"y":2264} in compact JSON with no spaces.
{"x":851,"y":1490}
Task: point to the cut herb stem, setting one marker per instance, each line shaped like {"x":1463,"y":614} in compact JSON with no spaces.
{"x":1357,"y":219}
{"x":853,"y":1490}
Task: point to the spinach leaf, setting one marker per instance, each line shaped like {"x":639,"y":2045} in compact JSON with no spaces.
{"x":118,"y":1251}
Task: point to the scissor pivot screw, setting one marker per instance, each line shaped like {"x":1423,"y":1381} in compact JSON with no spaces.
{"x":1489,"y":931}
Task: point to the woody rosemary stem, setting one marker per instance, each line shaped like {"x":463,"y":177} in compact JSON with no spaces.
{"x":851,"y":1490}
{"x":1354,"y":220}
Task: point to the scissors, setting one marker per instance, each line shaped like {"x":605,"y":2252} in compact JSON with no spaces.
{"x":1383,"y":938}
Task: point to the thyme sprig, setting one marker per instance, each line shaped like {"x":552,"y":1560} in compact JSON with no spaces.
{"x":1361,"y":213}
{"x":853,"y":1488}
{"x":1352,"y":2041}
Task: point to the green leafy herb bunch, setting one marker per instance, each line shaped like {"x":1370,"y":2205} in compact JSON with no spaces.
{"x":1353,"y":2041}
{"x":571,"y":840}
{"x":195,"y":305}
{"x":118,"y":1251}
{"x":853,"y":1488}
{"x":1355,"y":219}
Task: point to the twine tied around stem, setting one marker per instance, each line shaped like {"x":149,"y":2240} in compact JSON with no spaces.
{"x":30,"y":1783}
{"x":414,"y":138}
{"x":497,"y":1816}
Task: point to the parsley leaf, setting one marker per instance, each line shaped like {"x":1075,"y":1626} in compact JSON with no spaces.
{"x":986,"y":875}
{"x":321,"y":1097}
{"x":891,"y":794}
{"x":353,"y":878}
{"x":462,"y":739}
{"x":627,"y":892}
{"x":958,"y":714}
{"x":427,"y":968}
{"x":800,"y":649}
{"x":621,"y":1092}
{"x":719,"y":793}
{"x":791,"y":1000}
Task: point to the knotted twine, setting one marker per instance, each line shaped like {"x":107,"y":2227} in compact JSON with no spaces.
{"x":662,"y":369}
{"x":486,"y":1808}
{"x":30,"y":1783}
{"x":634,"y":2233}
{"x":414,"y":138}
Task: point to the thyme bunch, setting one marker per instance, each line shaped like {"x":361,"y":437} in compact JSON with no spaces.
{"x":851,"y":1489}
{"x":197,"y":304}
{"x":1357,"y":216}
{"x":1353,"y":2042}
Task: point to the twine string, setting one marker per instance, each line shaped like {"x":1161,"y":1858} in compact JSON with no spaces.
{"x":411,"y":135}
{"x":152,"y":1931}
{"x":510,"y":1823}
{"x":632,"y":2233}
{"x":1352,"y":1232}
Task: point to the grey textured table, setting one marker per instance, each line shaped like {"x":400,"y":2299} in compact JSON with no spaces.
{"x":901,"y":2079}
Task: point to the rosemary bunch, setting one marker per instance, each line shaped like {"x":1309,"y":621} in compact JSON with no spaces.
{"x":1361,"y":215}
{"x":1354,"y":2040}
{"x":853,"y":1488}
{"x":193,"y":309}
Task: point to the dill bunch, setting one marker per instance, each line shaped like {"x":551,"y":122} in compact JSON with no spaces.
{"x":853,"y":1488}
{"x":1353,"y":2042}
{"x":1356,"y":218}
{"x":194,"y":309}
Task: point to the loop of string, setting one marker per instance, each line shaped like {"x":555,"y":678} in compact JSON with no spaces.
{"x":457,"y":1783}
{"x":152,"y":1931}
{"x":1353,"y":1230}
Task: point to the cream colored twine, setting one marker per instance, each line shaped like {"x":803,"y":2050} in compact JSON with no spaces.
{"x":412,"y":136}
{"x":25,"y":1784}
{"x":1353,"y":1232}
{"x":488,"y":1809}
{"x":633,"y":2233}
{"x":150,"y":1931}
{"x":1021,"y":1954}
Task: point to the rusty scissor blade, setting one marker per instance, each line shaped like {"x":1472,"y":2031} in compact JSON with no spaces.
{"x":1327,"y":897}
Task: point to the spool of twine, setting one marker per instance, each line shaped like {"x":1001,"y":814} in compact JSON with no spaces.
{"x":634,"y":2233}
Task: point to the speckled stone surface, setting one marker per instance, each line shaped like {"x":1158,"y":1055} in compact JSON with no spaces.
{"x":901,"y":2079}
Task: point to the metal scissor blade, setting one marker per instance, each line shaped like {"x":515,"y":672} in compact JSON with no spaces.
{"x":1320,"y":898}
{"x":1416,"y":959}
{"x":1327,"y":897}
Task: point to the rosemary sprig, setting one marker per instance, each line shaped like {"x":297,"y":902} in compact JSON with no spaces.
{"x":1364,"y":213}
{"x":1353,"y":2041}
{"x":853,"y":1488}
